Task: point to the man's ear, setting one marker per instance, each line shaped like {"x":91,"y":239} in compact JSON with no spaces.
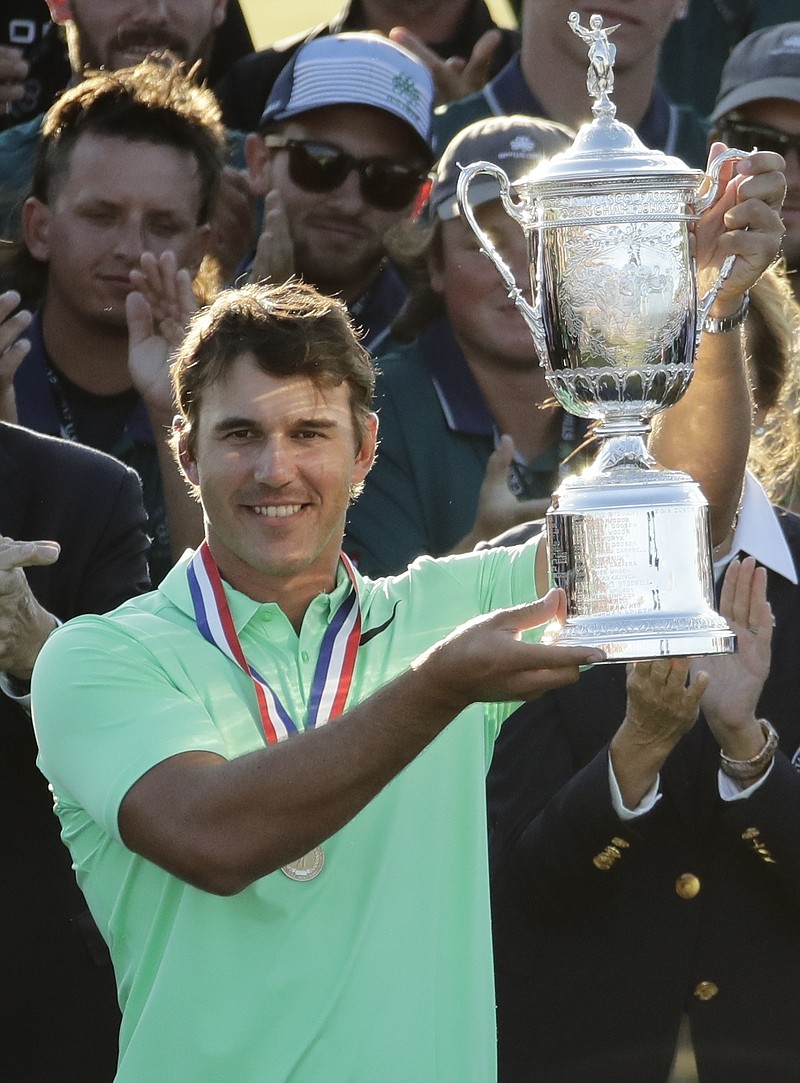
{"x":257,"y":156}
{"x":186,"y":460}
{"x":365,"y":456}
{"x":36,"y":228}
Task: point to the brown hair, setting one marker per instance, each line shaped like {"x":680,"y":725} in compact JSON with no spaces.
{"x":154,"y":102}
{"x":290,"y":329}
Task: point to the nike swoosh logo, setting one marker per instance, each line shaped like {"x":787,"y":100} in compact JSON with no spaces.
{"x":372,"y":632}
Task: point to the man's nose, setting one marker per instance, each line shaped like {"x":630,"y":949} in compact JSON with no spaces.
{"x":348,"y":194}
{"x":274,"y":463}
{"x":130,"y":240}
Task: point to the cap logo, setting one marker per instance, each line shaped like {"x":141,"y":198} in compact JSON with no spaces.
{"x":788,"y":45}
{"x":406,"y":89}
{"x":522,"y":144}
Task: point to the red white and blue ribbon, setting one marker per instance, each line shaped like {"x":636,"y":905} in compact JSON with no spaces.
{"x":337,"y":656}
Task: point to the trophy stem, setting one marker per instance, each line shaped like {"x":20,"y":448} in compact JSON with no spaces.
{"x":622,"y":448}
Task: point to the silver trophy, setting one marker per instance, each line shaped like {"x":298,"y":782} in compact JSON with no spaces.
{"x":616,"y":322}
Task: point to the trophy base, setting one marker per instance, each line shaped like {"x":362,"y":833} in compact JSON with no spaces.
{"x":625,"y":642}
{"x":631,"y":549}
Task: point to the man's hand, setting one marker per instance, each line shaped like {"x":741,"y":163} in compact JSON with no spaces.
{"x":13,"y":73}
{"x":498,"y":509}
{"x":745,"y":220}
{"x":12,"y":350}
{"x":486,"y":660}
{"x":455,"y":77}
{"x":274,"y":259}
{"x":158,"y":312}
{"x":24,"y":624}
{"x":233,"y":222}
{"x":736,"y":680}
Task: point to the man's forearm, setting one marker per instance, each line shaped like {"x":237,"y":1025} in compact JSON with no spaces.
{"x":707,"y":433}
{"x":236,"y":821}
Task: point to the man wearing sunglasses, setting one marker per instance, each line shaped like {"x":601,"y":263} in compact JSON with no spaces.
{"x":759,"y":106}
{"x":342,"y":152}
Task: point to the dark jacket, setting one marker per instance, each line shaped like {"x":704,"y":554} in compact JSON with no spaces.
{"x":595,"y":962}
{"x":61,"y":1018}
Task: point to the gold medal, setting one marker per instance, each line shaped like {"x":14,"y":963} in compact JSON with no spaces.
{"x":306,"y":867}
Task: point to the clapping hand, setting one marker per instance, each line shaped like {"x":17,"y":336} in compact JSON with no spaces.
{"x":12,"y":350}
{"x":158,"y":311}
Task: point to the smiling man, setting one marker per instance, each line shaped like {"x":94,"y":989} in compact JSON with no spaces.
{"x":286,"y":899}
{"x":342,"y":151}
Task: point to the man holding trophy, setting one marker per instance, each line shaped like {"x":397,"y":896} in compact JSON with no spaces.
{"x":313,"y":904}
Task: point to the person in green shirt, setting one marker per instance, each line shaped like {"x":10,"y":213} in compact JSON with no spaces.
{"x":283,"y":898}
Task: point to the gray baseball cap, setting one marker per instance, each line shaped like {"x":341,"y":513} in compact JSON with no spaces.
{"x":516,"y":143}
{"x":355,"y":68}
{"x":765,"y":64}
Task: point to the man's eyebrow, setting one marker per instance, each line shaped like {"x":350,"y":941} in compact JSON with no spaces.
{"x":315,"y":423}
{"x":226,"y":423}
{"x":88,"y":199}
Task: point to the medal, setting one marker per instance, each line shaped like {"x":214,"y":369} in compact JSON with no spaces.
{"x":332,"y":677}
{"x":306,"y":867}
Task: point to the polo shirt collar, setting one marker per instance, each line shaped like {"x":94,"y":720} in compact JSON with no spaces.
{"x":758,"y":534}
{"x":175,"y":587}
{"x":509,"y":93}
{"x":375,"y":311}
{"x":462,"y":402}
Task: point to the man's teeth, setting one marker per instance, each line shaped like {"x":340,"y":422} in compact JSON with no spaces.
{"x":279,"y":511}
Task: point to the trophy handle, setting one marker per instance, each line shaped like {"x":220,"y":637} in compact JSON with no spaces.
{"x":702,"y":204}
{"x":530,"y":313}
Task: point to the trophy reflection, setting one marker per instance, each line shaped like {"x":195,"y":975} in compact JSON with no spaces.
{"x":616,"y":321}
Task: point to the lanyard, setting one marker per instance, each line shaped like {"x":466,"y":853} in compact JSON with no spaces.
{"x":337,"y":656}
{"x":67,"y":424}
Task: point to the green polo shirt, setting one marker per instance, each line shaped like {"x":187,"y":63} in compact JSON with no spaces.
{"x":377,"y":970}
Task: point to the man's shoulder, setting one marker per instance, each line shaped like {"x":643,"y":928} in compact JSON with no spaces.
{"x":404,"y":362}
{"x":451,"y":118}
{"x":50,"y":457}
{"x":691,"y":135}
{"x":21,"y":140}
{"x":18,"y":147}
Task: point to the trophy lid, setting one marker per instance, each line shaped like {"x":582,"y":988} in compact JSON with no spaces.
{"x":605,"y":149}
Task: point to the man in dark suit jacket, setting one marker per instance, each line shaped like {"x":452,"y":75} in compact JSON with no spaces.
{"x":608,"y":930}
{"x":61,"y":1018}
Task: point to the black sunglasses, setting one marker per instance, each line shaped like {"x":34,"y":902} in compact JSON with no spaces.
{"x":764,"y":136}
{"x":322,"y":167}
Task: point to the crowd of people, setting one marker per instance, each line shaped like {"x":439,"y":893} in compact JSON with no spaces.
{"x":296,"y":791}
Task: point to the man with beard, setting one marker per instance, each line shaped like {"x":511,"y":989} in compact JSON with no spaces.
{"x":128,"y":168}
{"x":113,"y":34}
{"x":342,"y":151}
{"x":759,"y":105}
